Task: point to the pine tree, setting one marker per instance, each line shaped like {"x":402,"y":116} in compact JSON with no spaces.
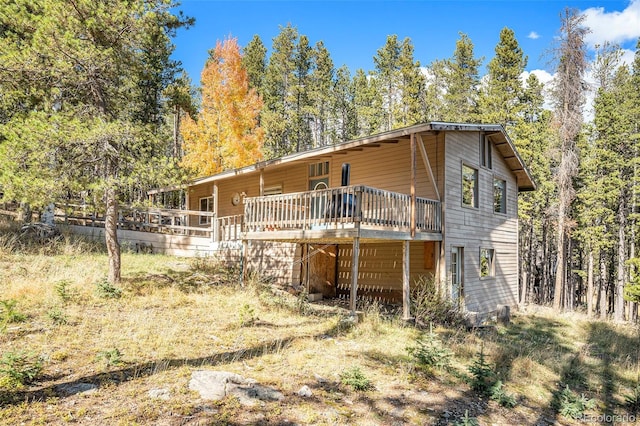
{"x":254,"y":60}
{"x":461,"y":83}
{"x":82,"y":86}
{"x":368,"y":104}
{"x":279,"y":80}
{"x":320,"y":93}
{"x":226,"y":134}
{"x":345,"y":120}
{"x":300,"y":101}
{"x":387,"y":78}
{"x":412,"y":88}
{"x":532,"y":137}
{"x":436,"y":78}
{"x":569,"y":98}
{"x":500,"y":97}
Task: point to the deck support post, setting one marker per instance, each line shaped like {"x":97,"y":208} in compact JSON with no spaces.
{"x":355,"y":260}
{"x":243,"y":264}
{"x":214,"y":220}
{"x":413,"y":186}
{"x":406,"y":284}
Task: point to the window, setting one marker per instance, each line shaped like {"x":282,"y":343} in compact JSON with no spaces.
{"x":485,"y":151}
{"x":457,"y":274}
{"x":487,"y":267}
{"x":469,"y":186}
{"x":318,"y":180}
{"x":499,"y":196}
{"x":206,"y":205}
{"x":319,"y":169}
{"x":272,"y":190}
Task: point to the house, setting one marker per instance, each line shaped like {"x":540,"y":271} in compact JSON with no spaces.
{"x":368,"y":217}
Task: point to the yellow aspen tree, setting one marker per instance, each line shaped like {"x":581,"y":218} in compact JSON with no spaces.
{"x":226,"y":133}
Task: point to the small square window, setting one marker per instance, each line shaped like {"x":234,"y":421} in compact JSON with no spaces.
{"x":469,"y":186}
{"x":487,"y":267}
{"x":499,"y":196}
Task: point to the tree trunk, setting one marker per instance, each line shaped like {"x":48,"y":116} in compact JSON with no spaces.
{"x":545,"y":281}
{"x":602,"y":291}
{"x":558,"y":289}
{"x":618,"y":311}
{"x":24,"y":213}
{"x":176,"y":133}
{"x":590,"y":283}
{"x":531,"y":264}
{"x":111,"y":235}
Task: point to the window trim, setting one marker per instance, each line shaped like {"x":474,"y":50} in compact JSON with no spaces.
{"x":504,"y":193}
{"x":476,"y":192}
{"x":491,"y":273}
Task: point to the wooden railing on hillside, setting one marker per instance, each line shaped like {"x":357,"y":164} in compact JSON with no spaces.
{"x":165,"y":221}
{"x":345,"y":206}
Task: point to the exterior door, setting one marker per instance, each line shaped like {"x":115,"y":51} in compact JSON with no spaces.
{"x":457,"y":276}
{"x":318,"y":204}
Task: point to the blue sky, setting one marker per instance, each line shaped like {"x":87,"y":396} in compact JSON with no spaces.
{"x":354,"y":30}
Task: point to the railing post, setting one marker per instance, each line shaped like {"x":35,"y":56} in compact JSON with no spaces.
{"x":357,"y":209}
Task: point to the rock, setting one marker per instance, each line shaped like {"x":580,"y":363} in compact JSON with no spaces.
{"x":314,"y":297}
{"x":215,"y":385}
{"x":319,"y":378}
{"x":160,"y":394}
{"x":76,"y":388}
{"x":305,"y":391}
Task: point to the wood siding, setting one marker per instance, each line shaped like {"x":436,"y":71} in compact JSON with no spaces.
{"x":276,"y":260}
{"x":387,"y":166}
{"x":474,"y":229}
{"x":380,"y":266}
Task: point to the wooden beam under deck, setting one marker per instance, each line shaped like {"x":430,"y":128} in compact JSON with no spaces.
{"x":341,"y":236}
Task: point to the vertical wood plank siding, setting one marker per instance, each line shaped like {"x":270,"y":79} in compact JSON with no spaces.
{"x":481,"y":228}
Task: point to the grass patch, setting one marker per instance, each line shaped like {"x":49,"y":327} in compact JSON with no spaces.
{"x":177,"y":315}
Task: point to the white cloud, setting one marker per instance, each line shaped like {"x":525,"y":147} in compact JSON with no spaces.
{"x":542,"y":75}
{"x":533,"y":35}
{"x":615,"y":27}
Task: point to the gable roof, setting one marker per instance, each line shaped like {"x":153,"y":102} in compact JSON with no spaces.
{"x":499,"y":136}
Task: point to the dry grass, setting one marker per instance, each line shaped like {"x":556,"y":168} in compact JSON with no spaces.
{"x":176,"y":316}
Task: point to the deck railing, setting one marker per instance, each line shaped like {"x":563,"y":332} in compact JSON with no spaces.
{"x":342,"y":207}
{"x":345,"y":207}
{"x":164,"y":221}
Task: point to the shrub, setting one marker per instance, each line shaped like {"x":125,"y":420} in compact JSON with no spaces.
{"x":106,"y":290}
{"x":501,"y":396}
{"x":429,"y":352}
{"x":484,"y":380}
{"x":64,"y":291}
{"x":482,"y":375}
{"x":632,"y":400}
{"x":429,"y":305}
{"x":9,"y":314}
{"x":466,"y":420}
{"x":57,"y":315}
{"x":572,"y":405}
{"x":246,"y":315}
{"x":19,"y":368}
{"x":355,"y":378}
{"x":111,"y":357}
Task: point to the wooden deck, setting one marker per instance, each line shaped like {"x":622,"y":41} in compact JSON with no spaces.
{"x":330,"y":215}
{"x":341,"y":214}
